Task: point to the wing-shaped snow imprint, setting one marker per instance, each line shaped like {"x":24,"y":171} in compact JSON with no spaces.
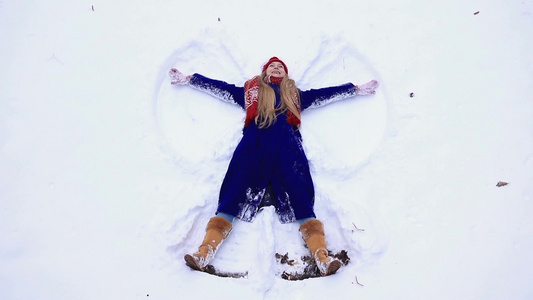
{"x":342,"y":136}
{"x":192,"y":126}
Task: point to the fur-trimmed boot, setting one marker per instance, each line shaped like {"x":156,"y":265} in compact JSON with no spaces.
{"x":313,"y":235}
{"x":217,"y":230}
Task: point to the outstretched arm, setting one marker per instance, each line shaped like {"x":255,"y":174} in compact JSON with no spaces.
{"x":216,"y":88}
{"x":320,"y":97}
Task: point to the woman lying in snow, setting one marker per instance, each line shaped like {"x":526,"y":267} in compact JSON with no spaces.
{"x":269,"y":166}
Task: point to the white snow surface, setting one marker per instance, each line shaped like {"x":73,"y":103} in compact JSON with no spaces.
{"x":108,"y":174}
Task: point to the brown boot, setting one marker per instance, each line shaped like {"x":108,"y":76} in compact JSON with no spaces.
{"x":313,"y":234}
{"x":217,"y":230}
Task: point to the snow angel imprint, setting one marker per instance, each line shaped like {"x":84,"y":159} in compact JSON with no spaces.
{"x":269,"y":166}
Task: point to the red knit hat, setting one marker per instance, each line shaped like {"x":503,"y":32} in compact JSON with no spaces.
{"x":273,"y":59}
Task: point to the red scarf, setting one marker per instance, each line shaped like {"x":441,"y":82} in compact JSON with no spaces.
{"x":251,"y":93}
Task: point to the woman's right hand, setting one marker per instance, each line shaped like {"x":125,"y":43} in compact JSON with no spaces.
{"x":178,"y":77}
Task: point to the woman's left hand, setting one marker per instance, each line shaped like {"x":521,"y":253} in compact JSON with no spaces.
{"x":368,"y":88}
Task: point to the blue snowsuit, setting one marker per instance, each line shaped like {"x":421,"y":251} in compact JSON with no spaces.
{"x":270,"y":157}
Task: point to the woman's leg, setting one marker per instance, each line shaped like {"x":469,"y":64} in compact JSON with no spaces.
{"x":217,"y":230}
{"x":313,"y":235}
{"x":226,"y":216}
{"x":301,"y":221}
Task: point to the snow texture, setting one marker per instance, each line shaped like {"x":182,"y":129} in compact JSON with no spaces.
{"x":109,"y":174}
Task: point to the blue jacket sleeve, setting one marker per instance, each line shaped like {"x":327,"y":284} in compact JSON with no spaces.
{"x":320,"y":97}
{"x":218,"y":89}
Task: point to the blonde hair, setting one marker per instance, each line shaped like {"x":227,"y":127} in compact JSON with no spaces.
{"x":266,"y":111}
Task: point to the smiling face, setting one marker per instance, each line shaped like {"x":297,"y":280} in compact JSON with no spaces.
{"x":276,"y":69}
